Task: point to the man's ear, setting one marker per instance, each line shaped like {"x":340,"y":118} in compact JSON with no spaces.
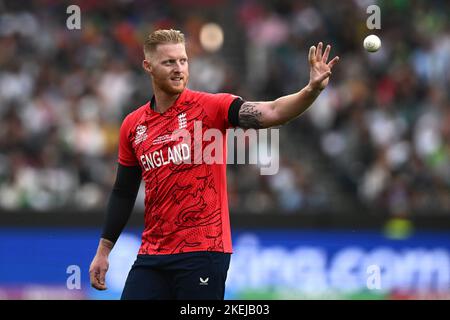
{"x":147,"y":66}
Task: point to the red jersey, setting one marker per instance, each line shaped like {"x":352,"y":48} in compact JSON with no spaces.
{"x":186,"y":205}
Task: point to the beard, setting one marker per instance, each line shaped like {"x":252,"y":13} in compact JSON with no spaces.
{"x":170,"y":87}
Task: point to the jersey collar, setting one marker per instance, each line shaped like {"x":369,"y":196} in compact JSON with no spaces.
{"x":179,"y":101}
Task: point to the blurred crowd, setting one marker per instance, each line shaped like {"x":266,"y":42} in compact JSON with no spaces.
{"x":381,"y":129}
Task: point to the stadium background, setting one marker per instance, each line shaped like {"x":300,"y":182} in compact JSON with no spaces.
{"x":364,"y":175}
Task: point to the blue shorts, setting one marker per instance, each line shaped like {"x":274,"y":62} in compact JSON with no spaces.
{"x":183,"y":276}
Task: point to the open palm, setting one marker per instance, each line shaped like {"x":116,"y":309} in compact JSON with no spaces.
{"x":320,"y":70}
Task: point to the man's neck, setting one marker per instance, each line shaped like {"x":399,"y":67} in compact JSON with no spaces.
{"x":164,"y":101}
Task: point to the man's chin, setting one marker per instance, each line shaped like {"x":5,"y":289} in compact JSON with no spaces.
{"x":175,"y":89}
{"x":170,"y":88}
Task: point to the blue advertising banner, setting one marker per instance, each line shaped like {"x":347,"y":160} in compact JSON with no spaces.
{"x":53,"y":263}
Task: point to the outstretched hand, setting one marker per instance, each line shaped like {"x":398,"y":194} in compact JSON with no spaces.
{"x":320,"y":70}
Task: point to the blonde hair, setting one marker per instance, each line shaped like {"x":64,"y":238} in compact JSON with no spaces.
{"x":161,"y":37}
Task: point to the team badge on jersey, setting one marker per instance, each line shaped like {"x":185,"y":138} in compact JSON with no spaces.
{"x":182,"y":121}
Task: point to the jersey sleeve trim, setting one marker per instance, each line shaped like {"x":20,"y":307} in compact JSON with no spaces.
{"x":233,"y":111}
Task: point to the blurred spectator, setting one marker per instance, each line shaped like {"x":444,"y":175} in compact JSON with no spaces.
{"x":381,"y":129}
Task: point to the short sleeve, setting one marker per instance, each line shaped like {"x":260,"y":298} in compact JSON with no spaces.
{"x":127,"y":156}
{"x":217,"y":107}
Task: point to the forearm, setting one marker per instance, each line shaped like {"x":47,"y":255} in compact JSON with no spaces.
{"x":121,"y":202}
{"x":118,"y":212}
{"x":291,"y":106}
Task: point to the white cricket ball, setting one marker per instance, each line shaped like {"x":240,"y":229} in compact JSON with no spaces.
{"x":372,"y":43}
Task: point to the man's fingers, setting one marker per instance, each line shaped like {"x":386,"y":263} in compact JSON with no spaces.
{"x":97,"y":278}
{"x":323,"y":76}
{"x":92,"y":276}
{"x":101,"y":276}
{"x":98,"y":284}
{"x":333,"y":62}
{"x":319,"y":51}
{"x":312,"y":54}
{"x":326,"y":54}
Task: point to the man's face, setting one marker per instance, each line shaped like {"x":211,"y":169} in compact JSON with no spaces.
{"x":168,"y":66}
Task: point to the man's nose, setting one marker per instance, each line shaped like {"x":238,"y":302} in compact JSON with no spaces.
{"x":177,"y":66}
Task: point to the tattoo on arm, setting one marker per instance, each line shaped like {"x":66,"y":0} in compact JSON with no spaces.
{"x":250,"y":116}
